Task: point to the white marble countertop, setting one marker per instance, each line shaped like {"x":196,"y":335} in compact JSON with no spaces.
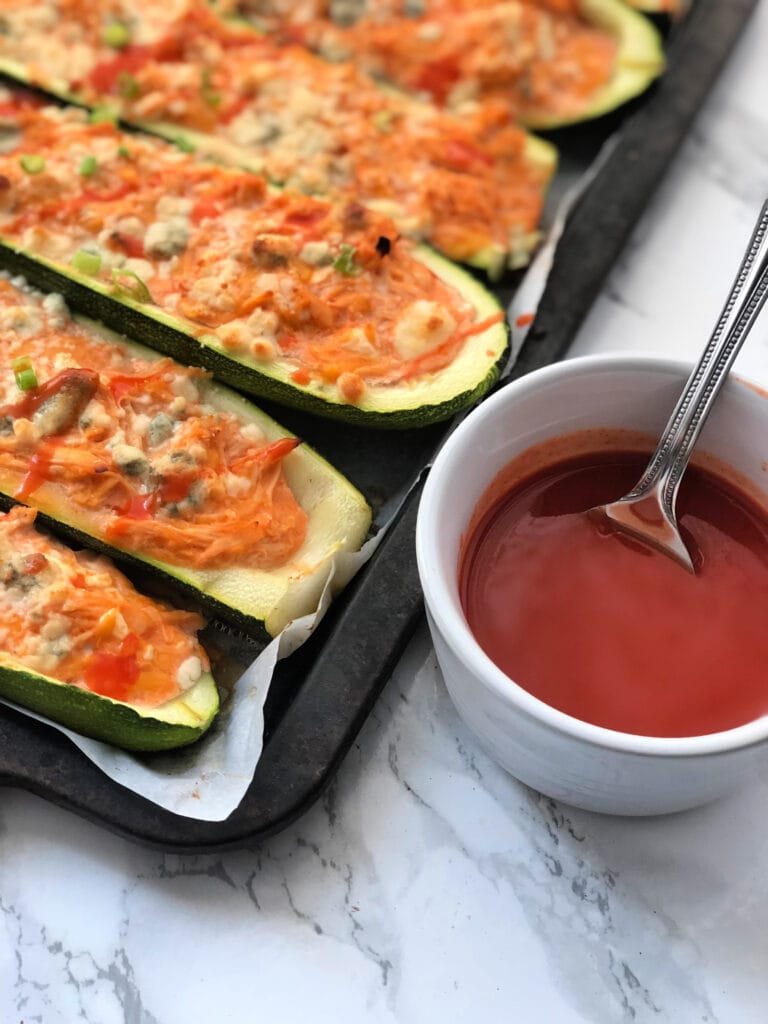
{"x":428,"y":885}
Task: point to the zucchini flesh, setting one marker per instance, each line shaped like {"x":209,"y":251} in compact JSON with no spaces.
{"x":397,"y":275}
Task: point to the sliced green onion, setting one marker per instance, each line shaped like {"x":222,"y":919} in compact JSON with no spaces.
{"x":134,"y":288}
{"x":31,"y":163}
{"x":88,"y":166}
{"x":184,"y":144}
{"x":102,"y":115}
{"x":116,"y":34}
{"x":382,"y":120}
{"x":124,"y":151}
{"x":127,"y":86}
{"x":26,"y":380}
{"x":24,"y":372}
{"x":211,"y":97}
{"x":345,"y":261}
{"x":87,"y":262}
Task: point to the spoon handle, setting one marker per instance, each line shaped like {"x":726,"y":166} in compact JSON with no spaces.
{"x":745,"y":300}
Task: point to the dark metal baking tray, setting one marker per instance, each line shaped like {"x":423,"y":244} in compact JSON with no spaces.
{"x":322,"y":694}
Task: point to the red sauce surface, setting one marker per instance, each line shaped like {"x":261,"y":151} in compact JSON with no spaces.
{"x":608,"y":630}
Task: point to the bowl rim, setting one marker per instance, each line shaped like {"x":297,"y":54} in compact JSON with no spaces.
{"x":453,"y":627}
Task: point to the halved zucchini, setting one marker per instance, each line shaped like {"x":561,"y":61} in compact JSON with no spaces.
{"x":471,"y":184}
{"x":639,"y":60}
{"x":82,"y":646}
{"x":258,"y":601}
{"x":495,"y":259}
{"x":175,"y":724}
{"x":409,"y":404}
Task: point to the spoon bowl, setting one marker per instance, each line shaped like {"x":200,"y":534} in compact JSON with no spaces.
{"x":646,"y":519}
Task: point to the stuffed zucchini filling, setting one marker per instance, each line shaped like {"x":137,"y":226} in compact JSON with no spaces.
{"x":154,"y":463}
{"x":72,"y":617}
{"x":472,"y":186}
{"x":326,"y":297}
{"x":133,"y":444}
{"x":544,"y":61}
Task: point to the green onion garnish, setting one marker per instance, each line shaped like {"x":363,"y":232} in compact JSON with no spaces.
{"x":26,"y":379}
{"x":124,"y":152}
{"x":87,"y":262}
{"x":184,"y":144}
{"x":134,"y":288}
{"x":127,"y":86}
{"x":116,"y":35}
{"x":345,"y":261}
{"x":88,"y":166}
{"x":24,"y":372}
{"x":31,"y":163}
{"x":102,"y":115}
{"x":211,"y":97}
{"x":382,"y":120}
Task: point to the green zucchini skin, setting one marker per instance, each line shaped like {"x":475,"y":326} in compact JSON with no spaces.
{"x":171,"y":336}
{"x":177,"y":724}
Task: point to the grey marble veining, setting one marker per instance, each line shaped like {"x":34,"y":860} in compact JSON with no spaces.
{"x":425,"y":885}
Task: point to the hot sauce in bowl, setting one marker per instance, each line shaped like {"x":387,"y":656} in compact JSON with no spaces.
{"x":606,"y":629}
{"x":600,"y":404}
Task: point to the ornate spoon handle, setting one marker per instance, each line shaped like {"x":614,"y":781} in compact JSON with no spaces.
{"x":745,"y":300}
{"x":648,"y":510}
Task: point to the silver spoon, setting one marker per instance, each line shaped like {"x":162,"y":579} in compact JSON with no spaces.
{"x":648,"y":510}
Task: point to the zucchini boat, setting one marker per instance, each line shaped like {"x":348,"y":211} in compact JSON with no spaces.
{"x":471,"y":186}
{"x":549,"y":62}
{"x":80,"y":645}
{"x":284,"y":296}
{"x":639,"y":60}
{"x":152,"y":463}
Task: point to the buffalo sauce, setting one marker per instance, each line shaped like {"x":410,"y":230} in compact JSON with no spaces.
{"x":608,"y":630}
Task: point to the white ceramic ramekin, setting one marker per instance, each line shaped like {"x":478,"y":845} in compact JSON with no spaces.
{"x":561,"y":756}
